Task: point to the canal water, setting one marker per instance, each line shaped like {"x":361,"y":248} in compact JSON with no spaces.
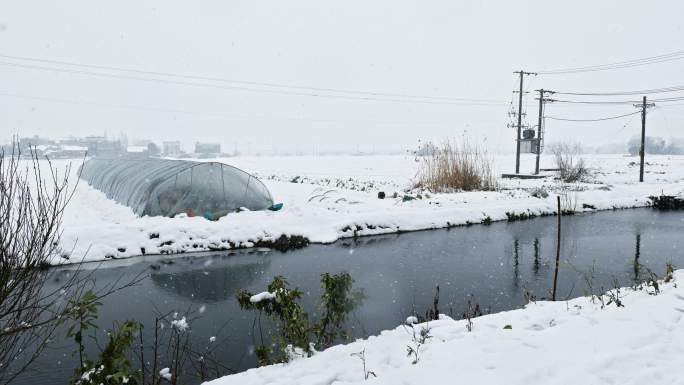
{"x":490,"y":265}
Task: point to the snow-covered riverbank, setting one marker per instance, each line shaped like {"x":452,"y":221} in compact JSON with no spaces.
{"x":566,"y":342}
{"x":330,"y":197}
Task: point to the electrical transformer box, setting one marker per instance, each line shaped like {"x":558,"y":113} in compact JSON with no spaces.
{"x":530,"y":146}
{"x":528,"y":134}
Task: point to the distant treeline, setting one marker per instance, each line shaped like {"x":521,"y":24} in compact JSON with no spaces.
{"x":656,"y":145}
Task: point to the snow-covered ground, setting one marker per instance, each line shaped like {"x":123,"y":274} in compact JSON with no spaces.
{"x":573,"y":342}
{"x":329,"y":197}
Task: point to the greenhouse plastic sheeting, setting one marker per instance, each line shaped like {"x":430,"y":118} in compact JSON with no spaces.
{"x":164,"y":187}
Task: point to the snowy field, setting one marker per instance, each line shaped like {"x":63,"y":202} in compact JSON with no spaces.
{"x":329,"y":197}
{"x":573,"y":342}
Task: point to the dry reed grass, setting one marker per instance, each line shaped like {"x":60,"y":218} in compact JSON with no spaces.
{"x":456,"y":167}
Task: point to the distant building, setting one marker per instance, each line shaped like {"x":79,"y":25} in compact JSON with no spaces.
{"x":137,"y":152}
{"x":142,"y":142}
{"x":61,"y":151}
{"x":153,"y":149}
{"x":171,"y":148}
{"x":207,"y":150}
{"x":26,"y":142}
{"x":101,"y":146}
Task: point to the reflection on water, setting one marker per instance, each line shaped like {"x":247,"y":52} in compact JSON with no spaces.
{"x":494,"y":265}
{"x":523,"y":252}
{"x":204,"y":282}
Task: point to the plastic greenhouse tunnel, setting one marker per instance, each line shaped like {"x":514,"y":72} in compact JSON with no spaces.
{"x":163,"y":187}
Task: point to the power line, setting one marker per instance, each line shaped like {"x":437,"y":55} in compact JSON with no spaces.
{"x":593,"y":120}
{"x":596,"y":101}
{"x":232,"y":81}
{"x":617,"y":102}
{"x":673,"y":99}
{"x":215,"y":114}
{"x":677,"y":55}
{"x":635,"y":92}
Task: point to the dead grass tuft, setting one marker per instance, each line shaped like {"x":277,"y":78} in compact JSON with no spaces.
{"x":569,"y":162}
{"x":456,"y":167}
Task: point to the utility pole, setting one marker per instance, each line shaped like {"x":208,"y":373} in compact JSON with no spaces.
{"x":642,"y":149}
{"x":539,"y":129}
{"x":540,"y":122}
{"x":522,"y":74}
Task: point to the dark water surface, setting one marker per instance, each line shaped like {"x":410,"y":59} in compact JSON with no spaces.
{"x":494,"y":265}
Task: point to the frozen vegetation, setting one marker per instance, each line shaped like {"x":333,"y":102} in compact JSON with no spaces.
{"x":330,"y":197}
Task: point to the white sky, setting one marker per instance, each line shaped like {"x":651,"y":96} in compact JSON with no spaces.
{"x":439,"y":48}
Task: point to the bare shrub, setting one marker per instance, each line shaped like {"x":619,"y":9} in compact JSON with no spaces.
{"x":30,"y":214}
{"x":32,"y":203}
{"x":456,"y":167}
{"x":570,"y":164}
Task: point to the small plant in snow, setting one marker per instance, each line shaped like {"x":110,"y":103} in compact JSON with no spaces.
{"x":418,"y":340}
{"x":651,"y":280}
{"x":362,"y":356}
{"x":669,"y":272}
{"x":589,"y":291}
{"x":539,"y":192}
{"x":614,"y":295}
{"x":472,"y":312}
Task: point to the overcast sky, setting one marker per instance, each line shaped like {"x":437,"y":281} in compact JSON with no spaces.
{"x":453,"y":49}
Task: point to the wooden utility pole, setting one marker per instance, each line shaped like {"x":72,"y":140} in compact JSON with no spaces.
{"x":539,"y":129}
{"x":522,"y":74}
{"x":642,"y":149}
{"x":540,"y":124}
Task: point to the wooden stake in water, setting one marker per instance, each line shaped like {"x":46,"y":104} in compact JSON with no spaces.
{"x":558,"y":241}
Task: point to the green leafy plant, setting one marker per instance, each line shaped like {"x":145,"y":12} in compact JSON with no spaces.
{"x":296,"y":333}
{"x":112,"y":365}
{"x":83,"y":310}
